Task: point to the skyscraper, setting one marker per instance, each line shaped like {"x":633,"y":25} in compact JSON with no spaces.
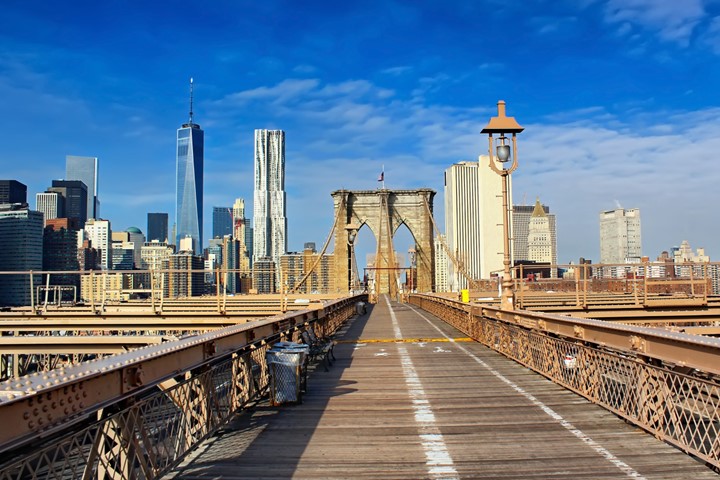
{"x":522,"y":218}
{"x":473,"y":221}
{"x":189,"y":181}
{"x":539,"y":237}
{"x":222,"y":222}
{"x":85,"y":169}
{"x":240,"y":233}
{"x":269,"y":219}
{"x":75,"y":194}
{"x":12,"y":191}
{"x":157,"y":227}
{"x":620,"y":238}
{"x":441,"y":264}
{"x":21,"y":249}
{"x":51,"y":204}
{"x":100,"y":235}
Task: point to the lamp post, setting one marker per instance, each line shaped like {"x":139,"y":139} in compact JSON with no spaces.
{"x":502,"y":125}
{"x":352,"y":230}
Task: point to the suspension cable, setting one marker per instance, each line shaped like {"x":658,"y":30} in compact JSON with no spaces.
{"x":472,"y":283}
{"x":325,"y":246}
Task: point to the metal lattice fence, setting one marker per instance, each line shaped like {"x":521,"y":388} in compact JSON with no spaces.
{"x":149,"y":437}
{"x":682,"y":408}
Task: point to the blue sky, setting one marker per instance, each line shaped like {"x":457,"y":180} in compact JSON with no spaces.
{"x":619,"y":99}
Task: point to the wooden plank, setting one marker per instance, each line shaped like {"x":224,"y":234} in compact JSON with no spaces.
{"x":359,"y":420}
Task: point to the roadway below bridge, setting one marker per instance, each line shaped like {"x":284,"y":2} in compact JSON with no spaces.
{"x":409,"y":397}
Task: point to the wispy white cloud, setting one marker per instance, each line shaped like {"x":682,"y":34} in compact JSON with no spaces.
{"x":577,"y":161}
{"x":284,"y":90}
{"x":711,"y":36}
{"x":666,"y":169}
{"x":397,"y":70}
{"x":673,"y":21}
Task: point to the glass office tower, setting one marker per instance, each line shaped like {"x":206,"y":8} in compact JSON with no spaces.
{"x":85,"y":169}
{"x":222,"y":222}
{"x":157,"y":227}
{"x":189,"y":184}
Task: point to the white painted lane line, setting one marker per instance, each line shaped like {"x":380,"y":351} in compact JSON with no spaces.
{"x":602,"y":451}
{"x":437,"y":458}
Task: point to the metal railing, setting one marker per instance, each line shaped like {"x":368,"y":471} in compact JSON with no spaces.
{"x":97,"y":289}
{"x":665,"y":382}
{"x":108,"y":419}
{"x":646,"y":284}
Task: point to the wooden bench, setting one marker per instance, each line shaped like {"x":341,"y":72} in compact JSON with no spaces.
{"x":320,"y":348}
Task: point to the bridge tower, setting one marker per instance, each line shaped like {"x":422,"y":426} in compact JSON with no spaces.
{"x":384,"y":211}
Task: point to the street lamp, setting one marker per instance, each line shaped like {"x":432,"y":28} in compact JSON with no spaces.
{"x":352,"y":231}
{"x":502,"y":125}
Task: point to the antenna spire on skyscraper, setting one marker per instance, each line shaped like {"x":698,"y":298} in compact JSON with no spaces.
{"x":191,"y":100}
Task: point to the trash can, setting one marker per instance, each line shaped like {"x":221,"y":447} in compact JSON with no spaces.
{"x":286,"y":365}
{"x":360,"y":308}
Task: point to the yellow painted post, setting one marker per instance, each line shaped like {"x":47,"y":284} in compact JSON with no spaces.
{"x":465,"y":296}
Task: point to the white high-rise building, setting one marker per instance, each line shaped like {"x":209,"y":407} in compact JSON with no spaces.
{"x":51,"y":204}
{"x":269,"y":219}
{"x":100,"y":236}
{"x":441,"y":265}
{"x":620,"y":239}
{"x":473,"y":220}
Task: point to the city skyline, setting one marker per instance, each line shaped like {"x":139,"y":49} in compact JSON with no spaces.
{"x":409,"y":87}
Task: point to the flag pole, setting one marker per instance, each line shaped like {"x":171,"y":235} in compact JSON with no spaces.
{"x":383,"y":177}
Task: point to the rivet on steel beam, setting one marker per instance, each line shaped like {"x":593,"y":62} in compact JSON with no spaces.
{"x":637,"y":343}
{"x":578,"y":331}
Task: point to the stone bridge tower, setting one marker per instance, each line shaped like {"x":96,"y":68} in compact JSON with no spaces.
{"x":383,"y":211}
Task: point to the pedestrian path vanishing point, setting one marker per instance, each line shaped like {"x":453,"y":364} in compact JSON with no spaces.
{"x":411,"y":397}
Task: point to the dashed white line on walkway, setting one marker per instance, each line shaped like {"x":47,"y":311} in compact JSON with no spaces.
{"x":624,"y":467}
{"x":438,"y":460}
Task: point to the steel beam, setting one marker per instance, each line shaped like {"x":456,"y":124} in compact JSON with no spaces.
{"x":671,"y":348}
{"x":41,"y":404}
{"x":80,"y":344}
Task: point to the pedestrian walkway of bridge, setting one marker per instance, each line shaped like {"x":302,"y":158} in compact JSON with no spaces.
{"x":408,"y":397}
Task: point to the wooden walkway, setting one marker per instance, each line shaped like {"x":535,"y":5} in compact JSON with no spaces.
{"x":428,"y":407}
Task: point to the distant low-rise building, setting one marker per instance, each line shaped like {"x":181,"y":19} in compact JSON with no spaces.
{"x":264,"y":275}
{"x":294,"y":267}
{"x":186,"y":277}
{"x":100,"y":287}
